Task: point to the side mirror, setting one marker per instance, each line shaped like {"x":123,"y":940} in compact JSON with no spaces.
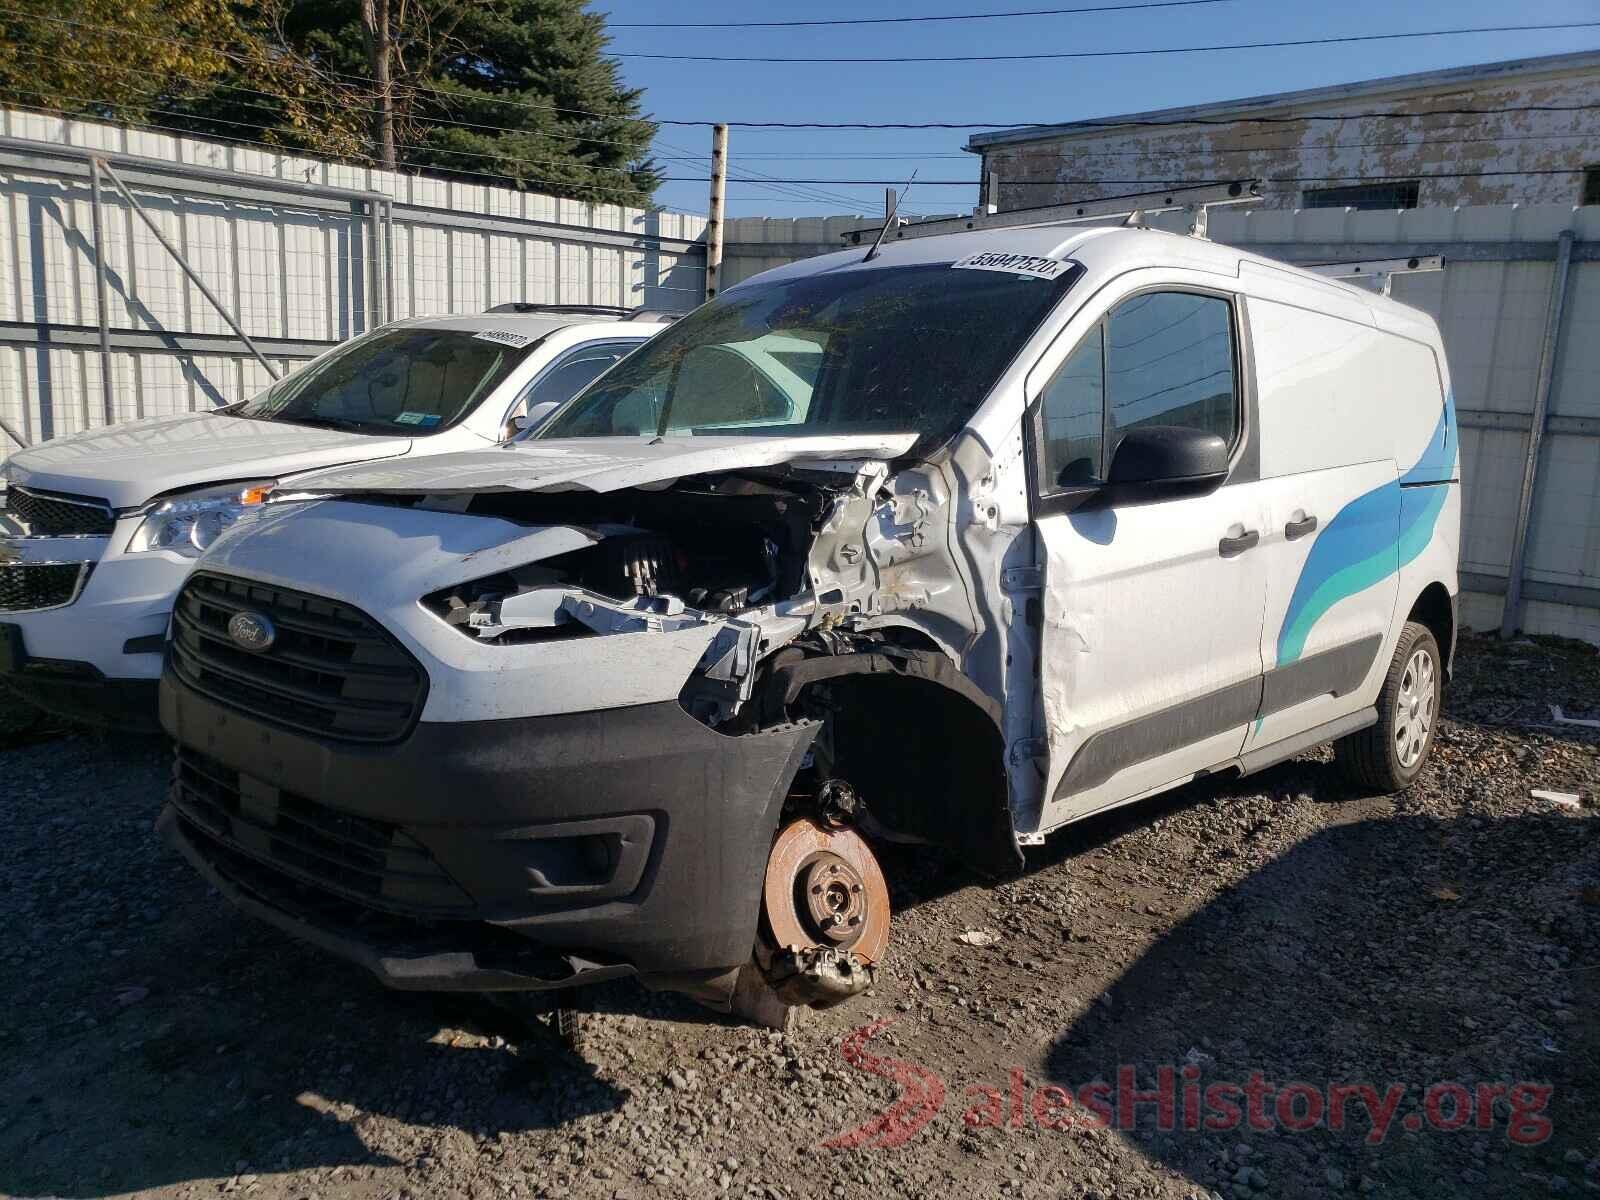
{"x":536,"y":414}
{"x":1166,"y":459}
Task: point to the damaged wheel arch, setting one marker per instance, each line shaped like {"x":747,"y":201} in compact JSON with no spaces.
{"x":921,"y":742}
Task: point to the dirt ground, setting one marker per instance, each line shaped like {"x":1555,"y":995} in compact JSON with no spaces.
{"x":1270,"y":946}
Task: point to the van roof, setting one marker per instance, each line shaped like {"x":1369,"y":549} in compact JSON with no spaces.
{"x":1104,"y":251}
{"x":535,"y":325}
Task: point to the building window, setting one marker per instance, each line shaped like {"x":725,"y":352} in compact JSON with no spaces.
{"x":1365,"y":196}
{"x":1591,"y":185}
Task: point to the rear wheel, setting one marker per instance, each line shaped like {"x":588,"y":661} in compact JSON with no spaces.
{"x":1388,"y":755}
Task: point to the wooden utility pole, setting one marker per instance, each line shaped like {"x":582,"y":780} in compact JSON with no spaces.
{"x":375,"y":24}
{"x":719,"y":188}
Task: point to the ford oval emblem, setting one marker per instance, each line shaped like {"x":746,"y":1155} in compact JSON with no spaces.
{"x":252,"y":631}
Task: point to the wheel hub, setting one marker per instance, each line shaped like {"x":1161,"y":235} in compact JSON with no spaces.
{"x":824,"y":888}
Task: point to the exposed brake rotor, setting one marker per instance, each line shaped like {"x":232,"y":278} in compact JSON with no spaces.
{"x":825,"y":891}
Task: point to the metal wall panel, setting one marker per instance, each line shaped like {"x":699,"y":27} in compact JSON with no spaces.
{"x":286,"y":268}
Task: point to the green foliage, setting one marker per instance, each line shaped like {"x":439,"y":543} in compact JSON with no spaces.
{"x":495,"y":91}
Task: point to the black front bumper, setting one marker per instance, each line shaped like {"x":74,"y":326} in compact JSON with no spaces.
{"x":526,"y":853}
{"x":75,"y":690}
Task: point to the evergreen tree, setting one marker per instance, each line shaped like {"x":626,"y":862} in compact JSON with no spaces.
{"x":494,"y":91}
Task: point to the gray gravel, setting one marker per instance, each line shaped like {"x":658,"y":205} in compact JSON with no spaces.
{"x":155,"y":1043}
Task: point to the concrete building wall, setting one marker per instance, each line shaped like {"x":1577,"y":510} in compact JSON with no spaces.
{"x":1500,"y":151}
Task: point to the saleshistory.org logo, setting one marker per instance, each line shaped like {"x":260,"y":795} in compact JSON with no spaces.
{"x":1182,"y":1100}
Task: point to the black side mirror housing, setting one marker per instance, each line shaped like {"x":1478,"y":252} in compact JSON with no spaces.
{"x":1166,"y":460}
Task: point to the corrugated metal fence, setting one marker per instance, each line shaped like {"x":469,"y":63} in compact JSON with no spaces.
{"x":1493,"y":301}
{"x":301,"y":253}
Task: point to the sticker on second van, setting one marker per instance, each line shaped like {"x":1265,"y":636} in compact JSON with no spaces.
{"x":1015,"y":264}
{"x":418,"y":418}
{"x":515,"y":340}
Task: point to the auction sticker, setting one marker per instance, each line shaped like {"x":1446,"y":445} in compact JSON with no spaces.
{"x":505,"y":338}
{"x":1013,"y":264}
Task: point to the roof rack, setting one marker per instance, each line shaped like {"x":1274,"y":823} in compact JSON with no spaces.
{"x":595,"y":310}
{"x":1381,"y":269}
{"x":1127,"y":210}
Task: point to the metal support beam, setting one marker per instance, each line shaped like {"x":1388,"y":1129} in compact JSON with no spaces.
{"x":178,"y":258}
{"x":1549,"y":349}
{"x":101,"y":309}
{"x":374,"y":264}
{"x":1383,"y":270}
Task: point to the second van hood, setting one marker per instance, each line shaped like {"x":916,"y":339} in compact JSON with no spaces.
{"x":600,"y":464}
{"x":129,"y":464}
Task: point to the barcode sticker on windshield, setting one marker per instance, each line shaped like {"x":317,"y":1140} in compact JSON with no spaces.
{"x":515,"y":340}
{"x":418,"y":418}
{"x":1014,"y":264}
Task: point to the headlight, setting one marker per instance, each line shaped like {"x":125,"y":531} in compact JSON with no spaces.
{"x":188,"y":524}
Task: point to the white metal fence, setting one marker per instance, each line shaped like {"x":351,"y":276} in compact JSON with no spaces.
{"x":1494,"y":302}
{"x":299,"y":253}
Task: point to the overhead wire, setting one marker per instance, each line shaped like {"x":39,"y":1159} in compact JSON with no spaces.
{"x":913,"y":20}
{"x":1037,"y":56}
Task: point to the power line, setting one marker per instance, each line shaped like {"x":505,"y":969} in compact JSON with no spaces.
{"x":986,"y":16}
{"x":1127,"y":123}
{"x":1073,"y":54}
{"x":1160,"y":184}
{"x":1107,"y":123}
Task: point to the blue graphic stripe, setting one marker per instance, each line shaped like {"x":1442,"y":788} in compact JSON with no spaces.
{"x":1371,"y":538}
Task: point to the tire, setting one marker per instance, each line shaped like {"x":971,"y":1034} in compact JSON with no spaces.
{"x":1388,"y":756}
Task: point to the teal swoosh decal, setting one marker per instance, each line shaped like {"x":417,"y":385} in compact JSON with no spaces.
{"x":1371,"y":538}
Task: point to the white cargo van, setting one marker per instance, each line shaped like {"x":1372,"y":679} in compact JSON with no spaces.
{"x":957,"y":543}
{"x":97,"y":531}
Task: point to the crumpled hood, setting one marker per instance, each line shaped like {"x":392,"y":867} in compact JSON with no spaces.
{"x":128,"y":464}
{"x":600,"y":464}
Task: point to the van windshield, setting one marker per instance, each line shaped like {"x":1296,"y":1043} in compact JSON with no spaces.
{"x":893,"y":349}
{"x":406,"y":381}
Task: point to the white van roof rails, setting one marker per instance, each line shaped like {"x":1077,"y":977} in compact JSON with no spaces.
{"x":1382,"y":269}
{"x":1127,"y":210}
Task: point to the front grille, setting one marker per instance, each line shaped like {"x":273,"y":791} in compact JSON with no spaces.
{"x":358,"y":858}
{"x":25,"y":587}
{"x":332,"y":670}
{"x":55,"y":516}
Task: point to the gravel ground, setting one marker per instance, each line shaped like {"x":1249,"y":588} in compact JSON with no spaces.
{"x":1281,"y":927}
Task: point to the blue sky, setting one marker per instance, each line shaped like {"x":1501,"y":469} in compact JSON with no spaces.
{"x":1004,"y":93}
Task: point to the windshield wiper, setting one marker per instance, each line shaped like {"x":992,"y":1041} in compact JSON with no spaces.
{"x":330,"y":423}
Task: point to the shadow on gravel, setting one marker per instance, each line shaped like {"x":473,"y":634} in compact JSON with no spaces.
{"x":253,"y":1055}
{"x":1404,"y":951}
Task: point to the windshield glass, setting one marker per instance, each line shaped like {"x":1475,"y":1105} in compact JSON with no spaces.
{"x":892,"y":349}
{"x":401,"y":381}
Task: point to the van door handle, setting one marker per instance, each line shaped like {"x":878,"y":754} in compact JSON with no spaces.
{"x":1298,"y":529}
{"x":1230,"y":546}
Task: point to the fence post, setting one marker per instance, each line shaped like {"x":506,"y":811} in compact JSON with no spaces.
{"x":102,"y":314}
{"x":1549,"y":348}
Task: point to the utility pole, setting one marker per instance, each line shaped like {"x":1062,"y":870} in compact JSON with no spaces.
{"x":719,"y":188}
{"x":375,"y":23}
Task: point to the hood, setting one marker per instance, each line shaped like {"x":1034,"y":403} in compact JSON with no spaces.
{"x":601,"y":464}
{"x":129,"y":464}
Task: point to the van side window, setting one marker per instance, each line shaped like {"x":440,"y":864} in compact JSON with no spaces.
{"x":1169,"y":361}
{"x":1073,"y":412}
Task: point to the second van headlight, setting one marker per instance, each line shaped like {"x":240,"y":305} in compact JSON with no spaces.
{"x":188,"y":524}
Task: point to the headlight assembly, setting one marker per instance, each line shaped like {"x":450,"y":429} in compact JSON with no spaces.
{"x":188,"y":524}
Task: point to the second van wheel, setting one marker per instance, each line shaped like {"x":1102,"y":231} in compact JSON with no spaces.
{"x":1387,"y":756}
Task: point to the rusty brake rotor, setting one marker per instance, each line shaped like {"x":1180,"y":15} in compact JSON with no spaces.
{"x":825,"y":889}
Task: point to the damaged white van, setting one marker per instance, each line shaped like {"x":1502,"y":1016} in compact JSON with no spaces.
{"x":98,"y":530}
{"x":957,"y":543}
